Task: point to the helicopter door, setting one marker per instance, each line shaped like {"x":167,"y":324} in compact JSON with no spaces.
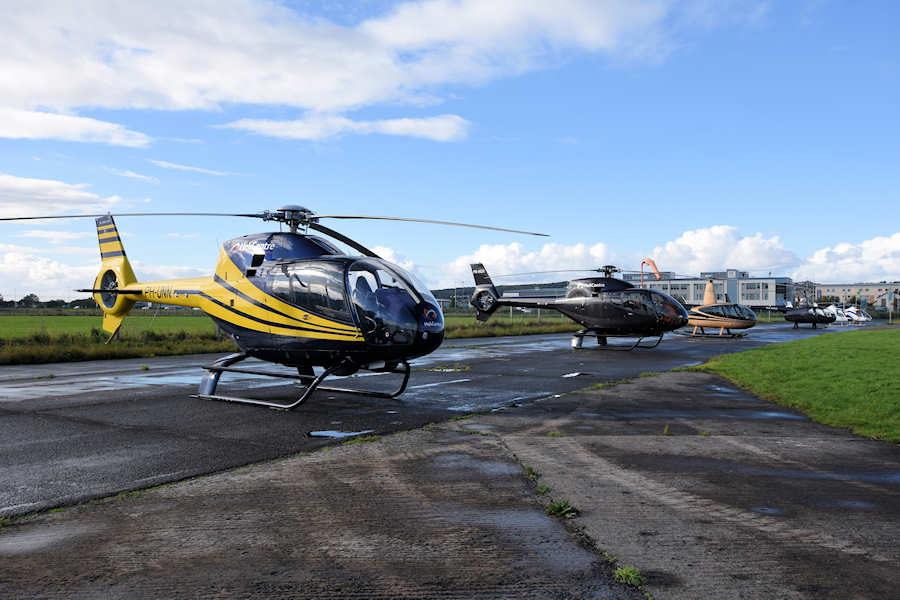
{"x":385,"y":306}
{"x":315,"y":286}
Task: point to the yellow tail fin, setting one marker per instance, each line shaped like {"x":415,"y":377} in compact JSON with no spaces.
{"x":115,"y":273}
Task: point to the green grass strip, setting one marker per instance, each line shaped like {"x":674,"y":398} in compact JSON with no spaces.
{"x":40,"y":348}
{"x":849,"y":380}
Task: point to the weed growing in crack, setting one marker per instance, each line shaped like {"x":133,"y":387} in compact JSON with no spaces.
{"x":362,"y":440}
{"x":629,"y":575}
{"x":557,"y":434}
{"x":531,"y":473}
{"x":562,"y":509}
{"x":543,"y":489}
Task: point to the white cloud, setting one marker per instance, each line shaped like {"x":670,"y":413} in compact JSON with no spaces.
{"x":150,"y":272}
{"x":720,"y":247}
{"x":443,"y":128}
{"x":202,"y":54}
{"x":24,"y":272}
{"x":183,"y":235}
{"x":32,"y":125}
{"x":711,"y":249}
{"x":24,"y":197}
{"x":205,"y":54}
{"x":391,"y":255}
{"x":55,"y":237}
{"x":168,"y":165}
{"x":876,"y":259}
{"x":502,"y":259}
{"x":132,"y":175}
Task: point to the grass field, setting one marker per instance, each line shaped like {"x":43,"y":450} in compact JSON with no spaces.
{"x":20,"y":326}
{"x":847,"y":380}
{"x":35,"y":338}
{"x":12,"y":327}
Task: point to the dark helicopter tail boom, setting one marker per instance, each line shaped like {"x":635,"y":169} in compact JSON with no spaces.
{"x":485,"y":298}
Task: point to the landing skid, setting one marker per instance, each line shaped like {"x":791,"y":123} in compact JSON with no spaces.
{"x":305,"y":376}
{"x":723,"y":332}
{"x":578,"y":340}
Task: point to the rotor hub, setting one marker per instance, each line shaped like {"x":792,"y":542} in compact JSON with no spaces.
{"x":292,"y":215}
{"x":608,"y":270}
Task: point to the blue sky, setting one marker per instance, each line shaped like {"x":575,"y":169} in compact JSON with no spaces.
{"x":757,"y":135}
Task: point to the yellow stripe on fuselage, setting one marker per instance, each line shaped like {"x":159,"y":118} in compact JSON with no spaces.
{"x":217,"y":301}
{"x":297,"y":316}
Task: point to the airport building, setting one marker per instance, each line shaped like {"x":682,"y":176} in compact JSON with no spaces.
{"x":876,"y":295}
{"x":735,"y":285}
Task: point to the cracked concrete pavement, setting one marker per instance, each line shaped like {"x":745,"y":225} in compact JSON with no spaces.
{"x":710,"y":492}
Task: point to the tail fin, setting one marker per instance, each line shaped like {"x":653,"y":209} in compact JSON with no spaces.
{"x":115,"y":274}
{"x":485,"y":296}
{"x":709,"y":293}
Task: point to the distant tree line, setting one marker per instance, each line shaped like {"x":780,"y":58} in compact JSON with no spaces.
{"x":32,"y":301}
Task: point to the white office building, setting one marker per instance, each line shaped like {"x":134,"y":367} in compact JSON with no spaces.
{"x":732,"y":285}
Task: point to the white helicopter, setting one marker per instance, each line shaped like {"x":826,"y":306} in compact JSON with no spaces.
{"x":840,"y":317}
{"x":857,"y":315}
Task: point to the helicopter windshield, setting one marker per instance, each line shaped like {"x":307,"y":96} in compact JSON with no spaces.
{"x":385,"y":304}
{"x":669,"y":311}
{"x":746,"y":312}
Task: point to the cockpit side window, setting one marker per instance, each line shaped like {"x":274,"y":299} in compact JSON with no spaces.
{"x":729,"y":311}
{"x":317,"y":287}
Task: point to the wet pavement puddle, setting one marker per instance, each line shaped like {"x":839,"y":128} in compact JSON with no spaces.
{"x":867,"y":477}
{"x":767,"y":510}
{"x":41,"y":538}
{"x":477,"y":427}
{"x":454,"y":466}
{"x":338,"y":434}
{"x":698,"y":414}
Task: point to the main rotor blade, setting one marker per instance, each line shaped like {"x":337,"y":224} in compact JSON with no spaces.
{"x":428,"y":221}
{"x":343,"y":238}
{"x":160,"y":214}
{"x":543,"y":272}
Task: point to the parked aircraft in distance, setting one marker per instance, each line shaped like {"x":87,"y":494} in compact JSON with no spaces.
{"x":723,"y":316}
{"x":603,"y":306}
{"x":808,"y":313}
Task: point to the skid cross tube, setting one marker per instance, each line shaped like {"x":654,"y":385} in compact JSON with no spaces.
{"x":214,"y":371}
{"x":578,"y":338}
{"x":703,"y":334}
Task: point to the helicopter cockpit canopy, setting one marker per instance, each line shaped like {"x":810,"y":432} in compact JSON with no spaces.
{"x":731,"y":311}
{"x":387,"y":302}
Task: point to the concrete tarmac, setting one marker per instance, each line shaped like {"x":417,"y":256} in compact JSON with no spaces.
{"x":72,"y":432}
{"x":710,"y":492}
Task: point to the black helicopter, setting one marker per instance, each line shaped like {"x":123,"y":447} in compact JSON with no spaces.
{"x":604,"y":306}
{"x":808,"y":313}
{"x":291,"y":298}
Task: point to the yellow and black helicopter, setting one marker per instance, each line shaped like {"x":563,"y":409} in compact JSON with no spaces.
{"x":291,"y":298}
